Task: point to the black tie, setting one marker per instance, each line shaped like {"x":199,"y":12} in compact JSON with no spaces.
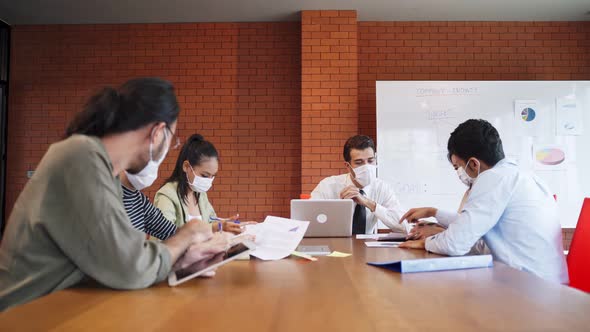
{"x":359,"y":219}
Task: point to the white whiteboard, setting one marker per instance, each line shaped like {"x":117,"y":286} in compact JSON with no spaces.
{"x":415,"y":119}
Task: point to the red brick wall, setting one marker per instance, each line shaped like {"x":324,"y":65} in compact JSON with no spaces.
{"x":329,"y":105}
{"x":467,"y":51}
{"x":278,"y":99}
{"x":238,"y":85}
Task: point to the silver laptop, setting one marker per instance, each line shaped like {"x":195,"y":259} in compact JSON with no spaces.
{"x":327,"y":217}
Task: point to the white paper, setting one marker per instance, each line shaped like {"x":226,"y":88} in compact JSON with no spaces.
{"x":568,"y":116}
{"x":370,"y":236}
{"x":382,"y":244}
{"x":276,"y":238}
{"x":528,"y":118}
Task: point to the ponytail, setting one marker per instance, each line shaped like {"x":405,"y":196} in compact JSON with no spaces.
{"x":135,"y":104}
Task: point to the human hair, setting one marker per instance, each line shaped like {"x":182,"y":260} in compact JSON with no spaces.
{"x":358,"y":142}
{"x":134,"y":104}
{"x":476,"y":138}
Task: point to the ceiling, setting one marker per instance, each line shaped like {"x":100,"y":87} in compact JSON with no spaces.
{"x":17,"y":12}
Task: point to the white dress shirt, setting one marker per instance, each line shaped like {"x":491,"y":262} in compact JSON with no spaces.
{"x":517,"y":217}
{"x":388,"y":209}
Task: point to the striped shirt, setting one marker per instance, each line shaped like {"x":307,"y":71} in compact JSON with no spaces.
{"x":146,"y":217}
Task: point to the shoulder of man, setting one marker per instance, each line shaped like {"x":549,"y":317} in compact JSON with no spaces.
{"x":335,"y":179}
{"x":80,"y":149}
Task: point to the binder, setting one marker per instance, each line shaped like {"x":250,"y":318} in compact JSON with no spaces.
{"x":437,"y":264}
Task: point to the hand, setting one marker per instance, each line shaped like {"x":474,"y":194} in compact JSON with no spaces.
{"x":352,"y":192}
{"x":199,"y":265}
{"x":200,"y":230}
{"x":418,"y":244}
{"x":422,"y":231}
{"x":231,"y":224}
{"x":414,"y":215}
{"x":232,"y":227}
{"x":219,"y":243}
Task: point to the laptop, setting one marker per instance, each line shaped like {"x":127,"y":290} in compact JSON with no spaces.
{"x":327,"y":217}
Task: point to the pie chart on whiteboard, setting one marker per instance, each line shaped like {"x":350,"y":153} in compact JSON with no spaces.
{"x":550,"y":156}
{"x":528,"y":114}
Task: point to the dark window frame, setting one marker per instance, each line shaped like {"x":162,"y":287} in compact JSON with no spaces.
{"x":4,"y":80}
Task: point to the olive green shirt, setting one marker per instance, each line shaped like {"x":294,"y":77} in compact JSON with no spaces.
{"x":174,"y":208}
{"x":69,"y":223}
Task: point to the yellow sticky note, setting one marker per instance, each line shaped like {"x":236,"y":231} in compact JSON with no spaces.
{"x":302,"y":255}
{"x":338,"y":254}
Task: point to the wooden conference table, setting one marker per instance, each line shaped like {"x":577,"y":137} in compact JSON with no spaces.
{"x":331,"y":294}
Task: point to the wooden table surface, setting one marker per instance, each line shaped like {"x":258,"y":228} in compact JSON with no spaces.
{"x":332,"y":294}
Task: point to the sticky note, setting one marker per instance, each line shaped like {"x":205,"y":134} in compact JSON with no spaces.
{"x":302,"y":255}
{"x":338,"y":254}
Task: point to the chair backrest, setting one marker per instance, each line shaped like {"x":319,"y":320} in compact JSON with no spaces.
{"x":578,"y":258}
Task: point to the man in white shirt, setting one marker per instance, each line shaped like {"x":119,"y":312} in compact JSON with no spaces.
{"x":374,"y":198}
{"x":512,"y":210}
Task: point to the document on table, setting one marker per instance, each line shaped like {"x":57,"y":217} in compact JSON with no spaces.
{"x":370,"y":236}
{"x":382,"y":244}
{"x":390,"y":237}
{"x":276,"y":238}
{"x":437,"y":264}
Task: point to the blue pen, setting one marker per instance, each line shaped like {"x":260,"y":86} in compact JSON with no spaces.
{"x":221,"y":219}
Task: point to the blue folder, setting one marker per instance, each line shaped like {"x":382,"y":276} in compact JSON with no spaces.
{"x":437,"y":264}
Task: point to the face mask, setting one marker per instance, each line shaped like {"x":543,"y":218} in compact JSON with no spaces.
{"x":366,"y":174}
{"x":464,"y":177}
{"x":149,"y":173}
{"x":200,"y":184}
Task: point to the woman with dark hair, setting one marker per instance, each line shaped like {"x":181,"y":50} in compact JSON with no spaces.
{"x":69,"y":223}
{"x":184,"y":196}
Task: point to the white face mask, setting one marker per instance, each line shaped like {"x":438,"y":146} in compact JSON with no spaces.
{"x":464,"y":177}
{"x":149,"y":173}
{"x":200,"y":184}
{"x":366,"y":174}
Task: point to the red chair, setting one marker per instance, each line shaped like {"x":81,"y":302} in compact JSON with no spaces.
{"x":578,"y":258}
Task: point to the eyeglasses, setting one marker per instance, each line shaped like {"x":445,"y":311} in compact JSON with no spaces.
{"x":174,"y":139}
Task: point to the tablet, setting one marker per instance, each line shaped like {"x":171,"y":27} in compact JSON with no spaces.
{"x":179,"y":276}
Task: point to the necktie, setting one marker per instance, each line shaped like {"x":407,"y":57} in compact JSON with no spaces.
{"x":359,"y":219}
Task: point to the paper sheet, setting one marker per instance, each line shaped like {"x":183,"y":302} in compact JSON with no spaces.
{"x":370,"y":236}
{"x":382,"y":244}
{"x":569,"y":117}
{"x":276,"y":238}
{"x":528,"y":118}
{"x":339,"y":254}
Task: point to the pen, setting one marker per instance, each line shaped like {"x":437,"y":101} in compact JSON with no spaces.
{"x":223,"y":219}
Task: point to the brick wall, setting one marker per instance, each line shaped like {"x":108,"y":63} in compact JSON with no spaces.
{"x":467,"y":51}
{"x":238,"y":85}
{"x":278,"y":99}
{"x":329,"y":108}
